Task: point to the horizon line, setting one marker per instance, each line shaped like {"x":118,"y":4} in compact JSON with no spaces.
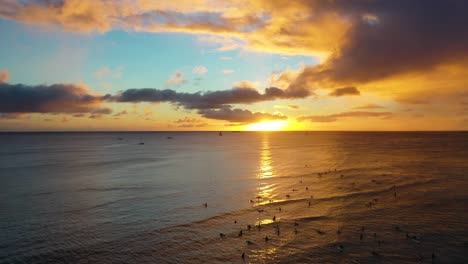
{"x":217,"y":131}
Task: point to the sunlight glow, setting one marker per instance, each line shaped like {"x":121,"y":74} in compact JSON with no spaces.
{"x":268,"y":126}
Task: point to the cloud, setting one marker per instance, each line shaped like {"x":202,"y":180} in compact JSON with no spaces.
{"x":246,"y":85}
{"x":238,"y":115}
{"x":224,"y":43}
{"x":233,"y":124}
{"x":11,"y":115}
{"x":368,"y":106}
{"x":188,"y":122}
{"x":391,"y":39}
{"x":351,"y":90}
{"x":121,"y":113}
{"x":107,"y":72}
{"x":360,"y":41}
{"x":335,"y":117}
{"x":226,"y":71}
{"x":200,"y":70}
{"x":366,"y":39}
{"x":176,"y":78}
{"x":57,"y":98}
{"x":95,"y":116}
{"x":4,"y":76}
{"x":207,"y":100}
{"x":284,"y":79}
{"x":192,"y":125}
{"x":415,"y":101}
{"x":291,"y":107}
{"x":407,"y":37}
{"x":318,"y":119}
{"x":297,"y":27}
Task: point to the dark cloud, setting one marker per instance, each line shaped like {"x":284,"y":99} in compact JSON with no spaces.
{"x":192,"y":125}
{"x":294,"y":107}
{"x":69,"y":98}
{"x":368,"y":106}
{"x":414,"y":101}
{"x":95,"y":116}
{"x":208,"y":100}
{"x":188,"y":122}
{"x":290,"y":107}
{"x":402,"y":37}
{"x":124,"y":112}
{"x":335,"y":117}
{"x":319,"y":119}
{"x":57,"y":98}
{"x":409,"y":36}
{"x":351,"y":90}
{"x":238,"y":115}
{"x":233,"y":124}
{"x":11,"y":115}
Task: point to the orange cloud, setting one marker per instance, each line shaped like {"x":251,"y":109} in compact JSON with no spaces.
{"x":351,"y":90}
{"x":200,"y":70}
{"x":294,"y":27}
{"x":107,"y":72}
{"x":4,"y":76}
{"x":368,"y":106}
{"x":335,"y":117}
{"x":177,"y":78}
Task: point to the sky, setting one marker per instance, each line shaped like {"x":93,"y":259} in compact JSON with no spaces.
{"x":141,"y":65}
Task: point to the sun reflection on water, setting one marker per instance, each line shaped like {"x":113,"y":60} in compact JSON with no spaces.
{"x":266,"y":168}
{"x":264,"y":255}
{"x":265,"y":190}
{"x":265,"y":221}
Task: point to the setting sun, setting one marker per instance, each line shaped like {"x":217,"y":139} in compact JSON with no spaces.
{"x":267,"y":126}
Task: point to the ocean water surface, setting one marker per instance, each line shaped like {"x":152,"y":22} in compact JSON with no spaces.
{"x":319,"y":197}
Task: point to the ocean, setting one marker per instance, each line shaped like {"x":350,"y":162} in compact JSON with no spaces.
{"x":184,"y":197}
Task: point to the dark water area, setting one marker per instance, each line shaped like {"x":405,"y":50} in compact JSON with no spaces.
{"x":345,"y":197}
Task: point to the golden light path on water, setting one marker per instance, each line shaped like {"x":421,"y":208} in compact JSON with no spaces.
{"x":266,"y":168}
{"x":264,"y":254}
{"x":265,"y":190}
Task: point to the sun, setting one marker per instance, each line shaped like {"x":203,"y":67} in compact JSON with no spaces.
{"x":267,"y":126}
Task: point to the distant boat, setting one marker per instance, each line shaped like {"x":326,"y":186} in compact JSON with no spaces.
{"x":141,"y":143}
{"x":169,"y":137}
{"x":220,"y":134}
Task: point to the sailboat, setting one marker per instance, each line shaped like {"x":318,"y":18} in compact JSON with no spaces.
{"x":220,"y":133}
